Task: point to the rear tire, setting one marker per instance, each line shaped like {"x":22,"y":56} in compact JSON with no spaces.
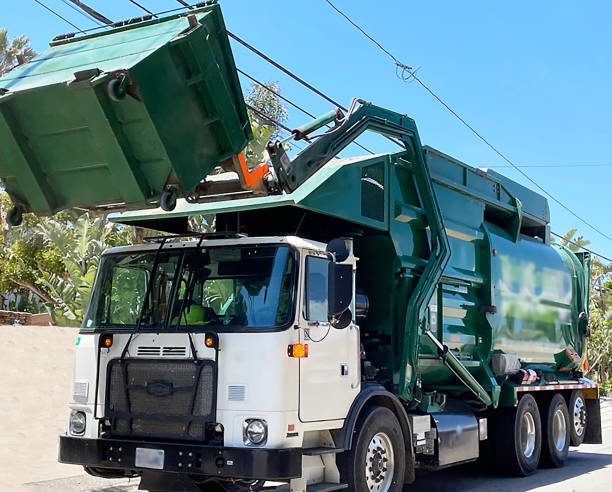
{"x":377,"y":460}
{"x":556,"y":430}
{"x":517,"y":438}
{"x":578,"y":418}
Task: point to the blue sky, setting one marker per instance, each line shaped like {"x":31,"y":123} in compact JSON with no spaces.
{"x":533,"y":77}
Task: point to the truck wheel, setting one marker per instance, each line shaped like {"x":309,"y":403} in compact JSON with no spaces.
{"x":518,"y":438}
{"x":577,"y":416}
{"x":556,"y":424}
{"x":377,"y":460}
{"x":167,"y":202}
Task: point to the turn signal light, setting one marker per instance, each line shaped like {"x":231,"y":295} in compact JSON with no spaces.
{"x":209,"y":341}
{"x":298,"y":350}
{"x":106,"y":341}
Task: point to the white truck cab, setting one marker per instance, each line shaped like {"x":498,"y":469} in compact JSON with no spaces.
{"x":215,"y":356}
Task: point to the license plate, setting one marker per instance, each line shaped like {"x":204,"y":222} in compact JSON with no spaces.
{"x":149,"y":458}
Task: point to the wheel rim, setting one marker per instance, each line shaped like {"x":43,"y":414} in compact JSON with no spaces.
{"x":559,"y":430}
{"x":528,"y":434}
{"x":579,"y":419}
{"x":379,"y":465}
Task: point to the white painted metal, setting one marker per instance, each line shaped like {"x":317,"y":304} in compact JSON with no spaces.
{"x":256,"y":378}
{"x":325,"y":392}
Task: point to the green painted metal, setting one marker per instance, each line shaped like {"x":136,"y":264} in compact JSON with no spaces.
{"x":135,"y":110}
{"x":315,"y":124}
{"x":460,"y":371}
{"x":504,"y":287}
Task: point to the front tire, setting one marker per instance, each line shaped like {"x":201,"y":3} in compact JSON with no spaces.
{"x":377,"y":460}
{"x":556,"y":429}
{"x":518,"y":438}
{"x":577,"y":416}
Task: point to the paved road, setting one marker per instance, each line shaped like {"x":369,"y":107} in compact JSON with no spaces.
{"x":588,"y":468}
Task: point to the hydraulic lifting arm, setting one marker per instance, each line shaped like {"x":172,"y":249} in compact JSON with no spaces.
{"x":361,"y":117}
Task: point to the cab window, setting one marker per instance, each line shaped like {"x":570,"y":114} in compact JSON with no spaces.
{"x":315,"y":303}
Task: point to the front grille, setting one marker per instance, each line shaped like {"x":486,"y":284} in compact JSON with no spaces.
{"x":155,"y":398}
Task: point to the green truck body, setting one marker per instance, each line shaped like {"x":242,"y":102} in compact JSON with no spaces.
{"x":505,"y":286}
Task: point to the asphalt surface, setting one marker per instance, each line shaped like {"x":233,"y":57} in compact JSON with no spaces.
{"x":588,"y":468}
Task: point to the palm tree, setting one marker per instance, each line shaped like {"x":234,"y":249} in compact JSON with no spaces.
{"x":17,"y":51}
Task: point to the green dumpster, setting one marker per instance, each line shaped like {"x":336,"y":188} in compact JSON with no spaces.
{"x":122,"y":118}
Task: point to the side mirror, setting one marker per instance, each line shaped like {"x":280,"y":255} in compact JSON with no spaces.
{"x":340,"y":294}
{"x":340,"y":248}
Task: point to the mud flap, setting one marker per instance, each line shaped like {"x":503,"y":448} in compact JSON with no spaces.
{"x":593,"y":422}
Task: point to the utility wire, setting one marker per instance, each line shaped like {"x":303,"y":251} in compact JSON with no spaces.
{"x":76,"y":9}
{"x":544,"y":165}
{"x":413,"y":75}
{"x":58,"y":15}
{"x":295,"y":77}
{"x":93,"y":12}
{"x":142,"y":7}
{"x":185,"y":4}
{"x":580,"y":246}
{"x":268,"y":119}
{"x":291,"y":103}
{"x":284,"y":70}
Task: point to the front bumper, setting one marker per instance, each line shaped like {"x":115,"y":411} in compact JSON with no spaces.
{"x":194,"y":459}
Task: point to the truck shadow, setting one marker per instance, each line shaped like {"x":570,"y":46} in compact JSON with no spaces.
{"x":475,"y":477}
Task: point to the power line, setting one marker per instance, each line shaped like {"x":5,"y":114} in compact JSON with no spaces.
{"x":80,"y":12}
{"x":295,"y":77}
{"x":185,"y":4}
{"x":93,"y":12}
{"x":412,"y":75}
{"x":580,"y":246}
{"x":544,"y":165}
{"x":291,"y":103}
{"x":58,"y":15}
{"x":269,"y":119}
{"x":284,"y":70}
{"x":142,"y":7}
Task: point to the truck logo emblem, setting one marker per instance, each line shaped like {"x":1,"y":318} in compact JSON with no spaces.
{"x":160,"y":388}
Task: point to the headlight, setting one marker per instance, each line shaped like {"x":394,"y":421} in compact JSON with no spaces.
{"x":78,"y":420}
{"x":255,"y":431}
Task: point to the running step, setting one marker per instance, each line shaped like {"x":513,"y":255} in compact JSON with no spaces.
{"x":320,"y":451}
{"x":326,"y":487}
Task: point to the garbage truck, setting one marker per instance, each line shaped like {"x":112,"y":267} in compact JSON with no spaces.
{"x":347,"y":322}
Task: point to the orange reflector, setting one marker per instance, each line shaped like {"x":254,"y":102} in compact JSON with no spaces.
{"x":298,"y":350}
{"x":106,"y":341}
{"x":209,"y":341}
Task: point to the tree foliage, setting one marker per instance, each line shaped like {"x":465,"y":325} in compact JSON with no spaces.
{"x":269,"y":104}
{"x":14,"y":52}
{"x":56,"y":258}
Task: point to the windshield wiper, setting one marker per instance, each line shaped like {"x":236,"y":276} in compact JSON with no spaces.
{"x":145,"y":304}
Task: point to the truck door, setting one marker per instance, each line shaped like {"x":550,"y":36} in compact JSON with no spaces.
{"x":329,"y":376}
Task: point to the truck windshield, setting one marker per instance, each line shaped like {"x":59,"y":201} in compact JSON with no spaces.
{"x":218,"y":288}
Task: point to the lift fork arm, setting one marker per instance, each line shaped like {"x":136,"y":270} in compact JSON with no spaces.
{"x":363,"y":116}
